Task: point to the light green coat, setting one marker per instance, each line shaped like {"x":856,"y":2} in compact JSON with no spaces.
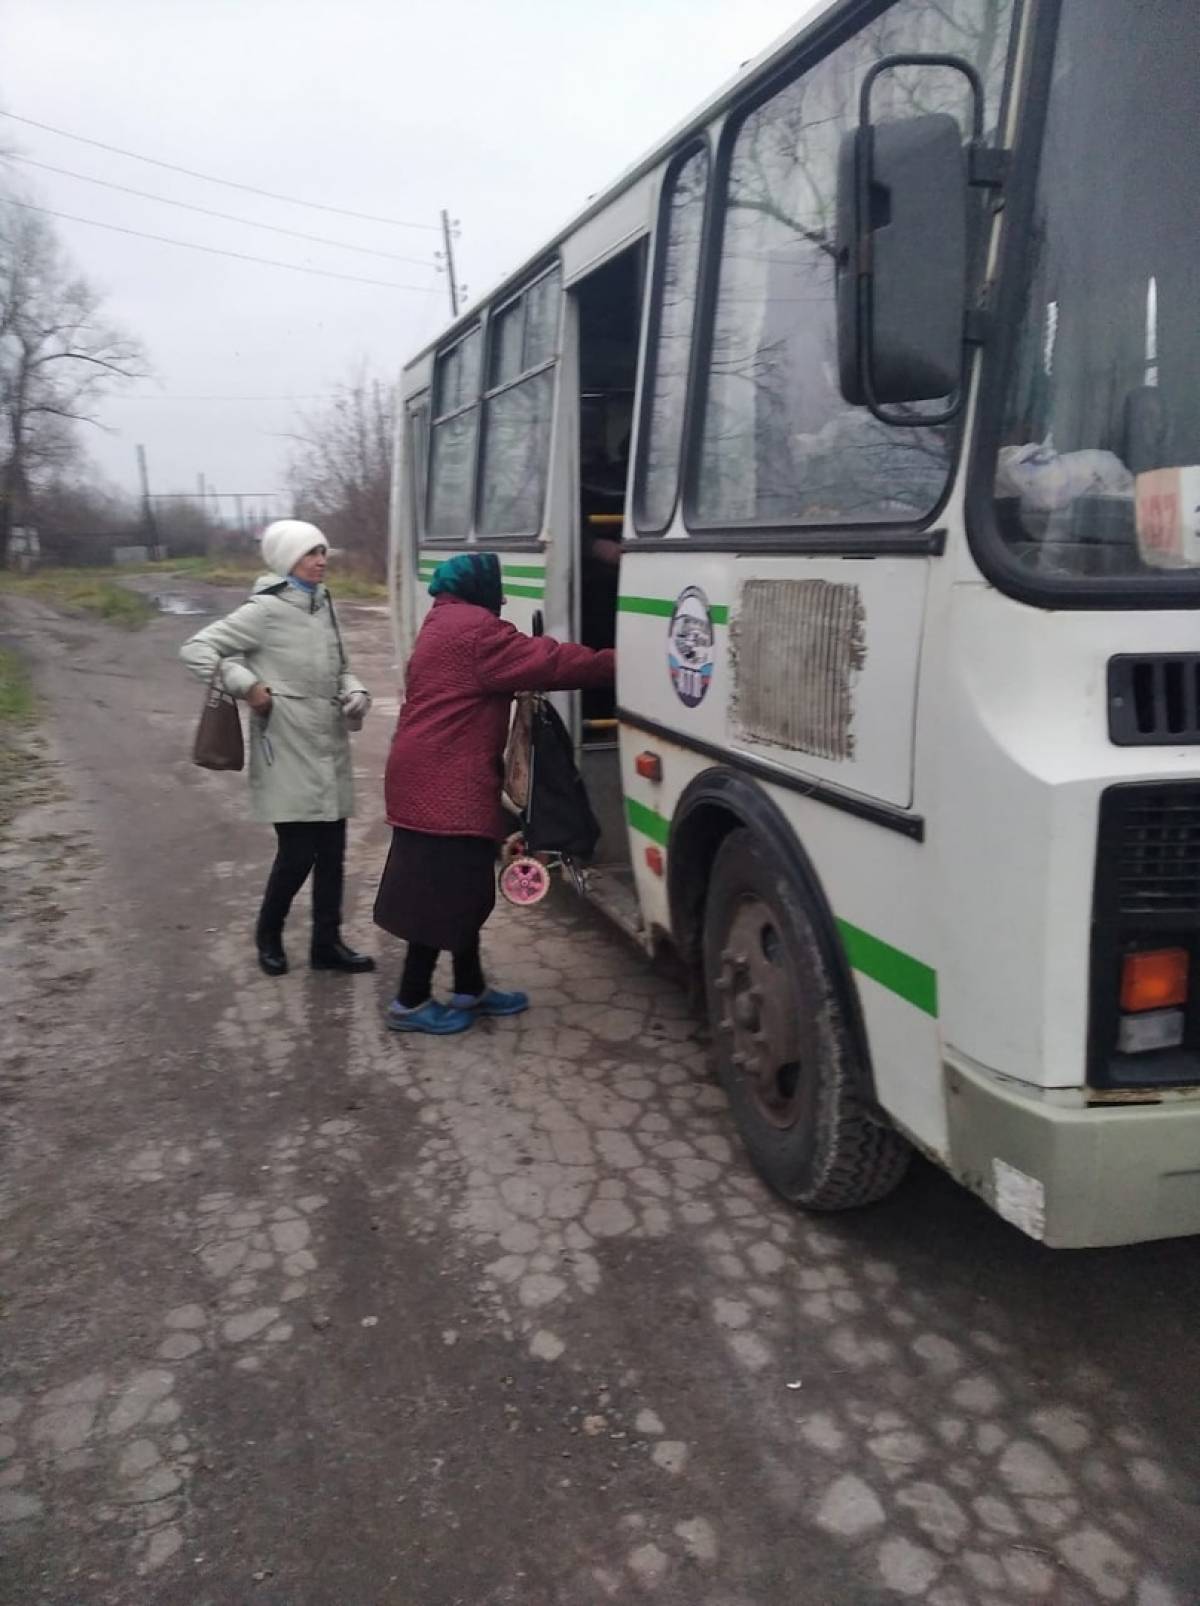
{"x":300,"y":765}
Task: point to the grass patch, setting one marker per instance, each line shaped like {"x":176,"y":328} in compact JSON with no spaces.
{"x":354,"y":588}
{"x":100,"y":594}
{"x":23,"y":771}
{"x":93,"y":592}
{"x":243,"y":573}
{"x":16,"y":692}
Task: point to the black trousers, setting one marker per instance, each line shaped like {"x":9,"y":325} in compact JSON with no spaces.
{"x":421,"y":962}
{"x":316,"y":848}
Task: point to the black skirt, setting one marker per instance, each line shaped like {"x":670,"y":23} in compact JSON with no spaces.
{"x":437,"y":890}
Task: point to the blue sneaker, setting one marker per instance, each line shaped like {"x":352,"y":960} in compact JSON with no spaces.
{"x":490,"y":1002}
{"x":431,"y":1017}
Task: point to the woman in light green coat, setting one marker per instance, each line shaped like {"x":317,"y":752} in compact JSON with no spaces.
{"x":282,"y":652}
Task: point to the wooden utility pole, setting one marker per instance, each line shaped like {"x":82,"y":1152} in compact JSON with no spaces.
{"x":147,"y":511}
{"x":448,"y":240}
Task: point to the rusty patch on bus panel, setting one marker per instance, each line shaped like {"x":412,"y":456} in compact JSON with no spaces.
{"x":796,"y":648}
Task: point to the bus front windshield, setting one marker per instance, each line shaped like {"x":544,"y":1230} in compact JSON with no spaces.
{"x":1099,"y":466}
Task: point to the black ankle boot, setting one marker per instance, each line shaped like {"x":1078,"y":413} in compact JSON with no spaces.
{"x":271,"y":957}
{"x":337,"y":956}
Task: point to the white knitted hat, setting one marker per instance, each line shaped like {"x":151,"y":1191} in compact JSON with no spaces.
{"x":286,"y":541}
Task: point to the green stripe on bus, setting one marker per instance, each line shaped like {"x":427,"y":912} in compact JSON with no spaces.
{"x":662,"y":608}
{"x":653,"y":605}
{"x":899,"y":972}
{"x":515,"y":571}
{"x":647,"y":821}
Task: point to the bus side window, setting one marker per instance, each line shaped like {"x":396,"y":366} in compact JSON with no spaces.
{"x":676,"y":275}
{"x":452,"y":438}
{"x":778,"y":444}
{"x":518,"y":405}
{"x":417,"y":464}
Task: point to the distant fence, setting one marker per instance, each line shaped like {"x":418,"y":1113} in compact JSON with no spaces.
{"x":138,"y":554}
{"x":90,"y":551}
{"x":102,"y":551}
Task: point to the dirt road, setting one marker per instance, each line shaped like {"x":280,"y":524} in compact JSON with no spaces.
{"x":298,"y":1314}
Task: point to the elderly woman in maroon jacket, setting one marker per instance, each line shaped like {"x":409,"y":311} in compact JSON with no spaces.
{"x":443,"y":784}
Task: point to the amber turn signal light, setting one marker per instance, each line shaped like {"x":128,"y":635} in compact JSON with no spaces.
{"x":648,"y":766}
{"x":1154,"y":980}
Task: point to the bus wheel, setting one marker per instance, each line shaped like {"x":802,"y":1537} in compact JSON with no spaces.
{"x":784,"y":1049}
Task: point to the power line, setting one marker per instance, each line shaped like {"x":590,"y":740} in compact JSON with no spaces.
{"x":210,"y":178}
{"x":226,"y":217}
{"x":213,"y":250}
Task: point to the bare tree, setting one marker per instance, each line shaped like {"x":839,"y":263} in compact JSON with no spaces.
{"x":81,"y":505}
{"x":186,"y":529}
{"x":58,"y":357}
{"x":341,"y":469}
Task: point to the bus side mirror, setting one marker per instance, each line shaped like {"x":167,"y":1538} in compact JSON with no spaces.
{"x":902,"y":264}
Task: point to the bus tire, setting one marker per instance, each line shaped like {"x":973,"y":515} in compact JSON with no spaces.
{"x":784,"y":1050}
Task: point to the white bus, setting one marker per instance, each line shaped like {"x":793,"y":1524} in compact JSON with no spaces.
{"x":880,"y":379}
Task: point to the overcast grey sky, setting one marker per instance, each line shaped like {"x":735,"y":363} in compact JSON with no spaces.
{"x":510,"y":114}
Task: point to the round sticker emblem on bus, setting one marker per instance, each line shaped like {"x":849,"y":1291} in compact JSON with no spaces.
{"x":690,"y":641}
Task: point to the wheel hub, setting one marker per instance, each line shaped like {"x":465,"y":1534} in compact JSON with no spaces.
{"x":758,"y":1015}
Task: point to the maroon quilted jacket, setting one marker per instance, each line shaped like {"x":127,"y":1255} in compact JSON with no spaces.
{"x":446,"y":765}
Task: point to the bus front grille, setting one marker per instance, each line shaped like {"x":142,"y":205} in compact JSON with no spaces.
{"x":1157,"y":850}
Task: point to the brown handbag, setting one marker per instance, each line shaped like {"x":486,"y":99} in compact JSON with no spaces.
{"x":219,"y":744}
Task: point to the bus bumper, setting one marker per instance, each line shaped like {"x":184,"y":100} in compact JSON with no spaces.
{"x":1075,"y":1177}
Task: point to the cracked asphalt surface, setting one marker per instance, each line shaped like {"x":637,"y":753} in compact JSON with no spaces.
{"x":300,"y":1314}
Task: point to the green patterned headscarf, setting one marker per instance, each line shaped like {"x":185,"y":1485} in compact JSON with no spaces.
{"x":471,"y":577}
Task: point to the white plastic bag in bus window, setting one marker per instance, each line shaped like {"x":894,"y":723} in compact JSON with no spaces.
{"x":1046,"y":481}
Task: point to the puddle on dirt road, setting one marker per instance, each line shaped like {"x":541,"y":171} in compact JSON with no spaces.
{"x":173,"y":602}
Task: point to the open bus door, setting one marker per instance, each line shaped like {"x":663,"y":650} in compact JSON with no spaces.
{"x":608,"y":305}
